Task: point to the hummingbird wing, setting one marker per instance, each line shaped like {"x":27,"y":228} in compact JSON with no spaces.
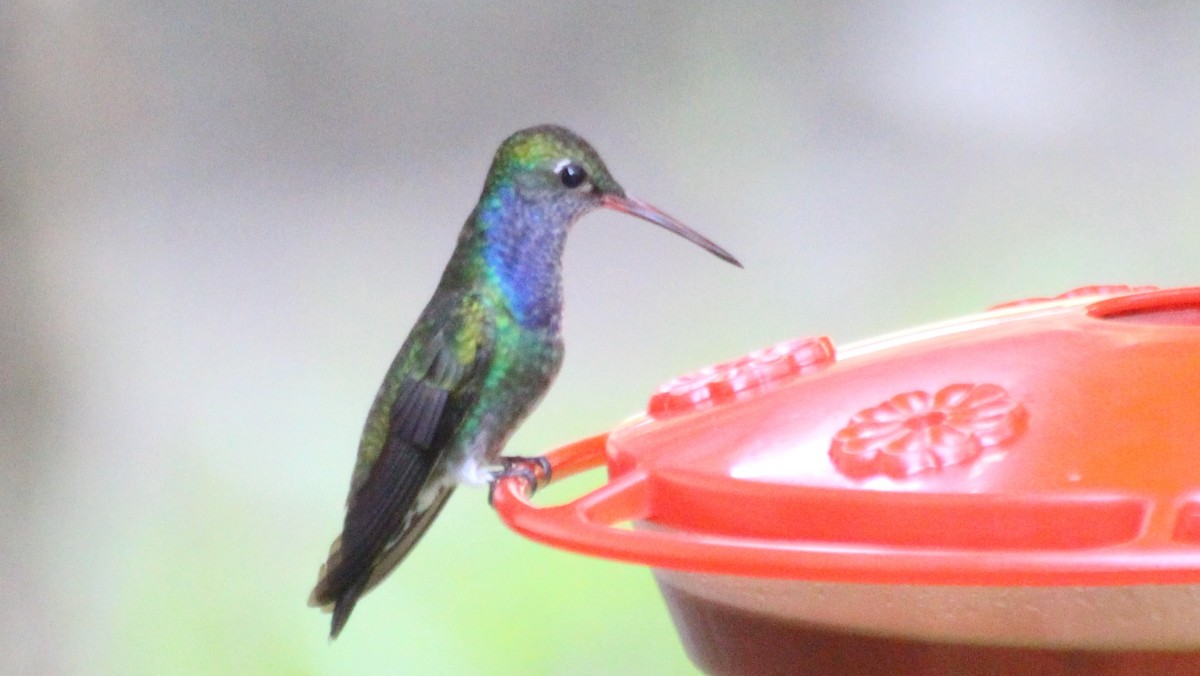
{"x":432,"y":386}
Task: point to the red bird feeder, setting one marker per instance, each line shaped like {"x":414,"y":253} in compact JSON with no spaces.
{"x":1013,"y":492}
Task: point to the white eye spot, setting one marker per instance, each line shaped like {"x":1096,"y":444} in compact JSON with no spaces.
{"x":571,"y":174}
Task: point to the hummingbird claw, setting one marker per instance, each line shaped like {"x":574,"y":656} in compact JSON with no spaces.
{"x":543,"y":464}
{"x":534,"y":471}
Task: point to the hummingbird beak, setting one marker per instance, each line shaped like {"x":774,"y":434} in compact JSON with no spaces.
{"x":652,"y":214}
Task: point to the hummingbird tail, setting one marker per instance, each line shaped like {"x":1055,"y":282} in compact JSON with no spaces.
{"x":341,"y":582}
{"x":398,"y":487}
{"x":342,"y":608}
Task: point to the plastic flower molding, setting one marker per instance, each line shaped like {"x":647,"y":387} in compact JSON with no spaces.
{"x":919,"y":431}
{"x":727,"y":381}
{"x":1079,"y":292}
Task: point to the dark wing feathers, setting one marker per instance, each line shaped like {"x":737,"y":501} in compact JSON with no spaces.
{"x":419,"y":406}
{"x":434,"y":395}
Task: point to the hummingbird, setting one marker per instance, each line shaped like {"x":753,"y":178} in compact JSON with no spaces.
{"x":482,"y":354}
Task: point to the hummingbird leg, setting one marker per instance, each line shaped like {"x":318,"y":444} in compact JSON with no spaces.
{"x":535,"y":471}
{"x":538,"y":465}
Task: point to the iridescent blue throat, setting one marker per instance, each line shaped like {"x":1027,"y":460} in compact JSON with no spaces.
{"x":523,"y":246}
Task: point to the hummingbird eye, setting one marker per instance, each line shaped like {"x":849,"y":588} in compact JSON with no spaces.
{"x":572,"y":175}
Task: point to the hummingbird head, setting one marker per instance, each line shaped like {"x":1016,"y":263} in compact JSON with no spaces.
{"x":556,"y":173}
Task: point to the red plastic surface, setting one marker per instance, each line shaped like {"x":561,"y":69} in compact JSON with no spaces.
{"x":1052,"y":442}
{"x":731,"y":380}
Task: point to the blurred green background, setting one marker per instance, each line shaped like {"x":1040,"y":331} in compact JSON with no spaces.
{"x":218,"y":221}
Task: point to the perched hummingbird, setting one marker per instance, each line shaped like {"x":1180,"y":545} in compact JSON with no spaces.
{"x":482,"y":354}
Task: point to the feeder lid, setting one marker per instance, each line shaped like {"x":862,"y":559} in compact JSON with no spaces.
{"x":1047,"y":441}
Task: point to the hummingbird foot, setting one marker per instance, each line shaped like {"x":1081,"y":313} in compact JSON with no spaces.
{"x":534,"y":471}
